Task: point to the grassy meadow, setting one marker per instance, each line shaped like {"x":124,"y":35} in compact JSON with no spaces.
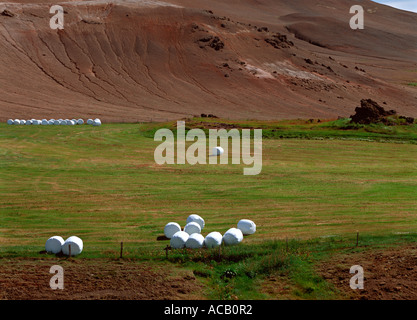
{"x":319,"y":181}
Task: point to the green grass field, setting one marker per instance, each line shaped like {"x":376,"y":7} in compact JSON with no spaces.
{"x":318,"y":181}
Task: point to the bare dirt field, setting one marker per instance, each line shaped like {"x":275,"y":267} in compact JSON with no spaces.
{"x":389,"y":274}
{"x":96,"y":279}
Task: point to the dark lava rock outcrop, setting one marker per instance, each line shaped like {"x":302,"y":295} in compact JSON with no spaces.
{"x":371,"y":112}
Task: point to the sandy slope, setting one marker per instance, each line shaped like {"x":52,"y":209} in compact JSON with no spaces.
{"x":154,"y":60}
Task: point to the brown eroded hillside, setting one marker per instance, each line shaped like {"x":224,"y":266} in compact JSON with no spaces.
{"x":238,"y":59}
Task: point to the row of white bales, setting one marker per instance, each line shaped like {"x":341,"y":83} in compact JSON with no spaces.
{"x":192,"y":238}
{"x":45,"y":122}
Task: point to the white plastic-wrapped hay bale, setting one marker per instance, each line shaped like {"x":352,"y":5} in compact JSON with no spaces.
{"x":192,"y":227}
{"x":213,"y":239}
{"x":76,"y":246}
{"x":97,"y":122}
{"x":63,"y":123}
{"x":71,"y":122}
{"x":29,"y":122}
{"x":80,"y":121}
{"x":10,"y":122}
{"x":90,"y":121}
{"x":51,"y":122}
{"x":54,"y":244}
{"x":232,"y":237}
{"x":217,"y":151}
{"x":45,"y":122}
{"x":246,"y":226}
{"x":57,"y":122}
{"x":171,"y":228}
{"x":196,"y":218}
{"x":195,"y":241}
{"x":22,"y":122}
{"x":36,"y":122}
{"x":179,"y":239}
{"x":16,"y":122}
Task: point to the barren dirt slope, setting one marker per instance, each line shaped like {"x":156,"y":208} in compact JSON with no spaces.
{"x":152,"y":60}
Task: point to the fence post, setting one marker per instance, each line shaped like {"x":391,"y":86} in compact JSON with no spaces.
{"x":286,"y":244}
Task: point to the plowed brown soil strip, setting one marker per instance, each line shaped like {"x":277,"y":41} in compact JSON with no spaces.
{"x":389,"y":274}
{"x":28,"y":279}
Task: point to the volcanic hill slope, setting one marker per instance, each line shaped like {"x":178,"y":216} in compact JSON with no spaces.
{"x":239,"y":59}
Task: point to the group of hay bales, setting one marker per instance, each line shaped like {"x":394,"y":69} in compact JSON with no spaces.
{"x":45,"y":122}
{"x":56,"y":244}
{"x":192,"y":238}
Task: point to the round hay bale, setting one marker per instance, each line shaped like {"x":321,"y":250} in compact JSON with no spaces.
{"x":10,"y":121}
{"x":97,"y":122}
{"x":45,"y":122}
{"x":179,"y":239}
{"x":22,"y":122}
{"x":232,"y":237}
{"x":196,"y":218}
{"x":246,"y":226}
{"x":16,"y":122}
{"x":63,"y":123}
{"x":54,"y":244}
{"x":217,"y":151}
{"x":90,"y":121}
{"x":195,"y":241}
{"x":192,"y":227}
{"x":171,"y":228}
{"x":80,"y":121}
{"x":36,"y":122}
{"x":71,"y":123}
{"x":29,"y":122}
{"x":213,"y":239}
{"x":57,"y":122}
{"x":76,"y":246}
{"x":51,"y":122}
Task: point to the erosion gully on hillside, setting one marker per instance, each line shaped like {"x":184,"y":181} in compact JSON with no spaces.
{"x":155,"y":61}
